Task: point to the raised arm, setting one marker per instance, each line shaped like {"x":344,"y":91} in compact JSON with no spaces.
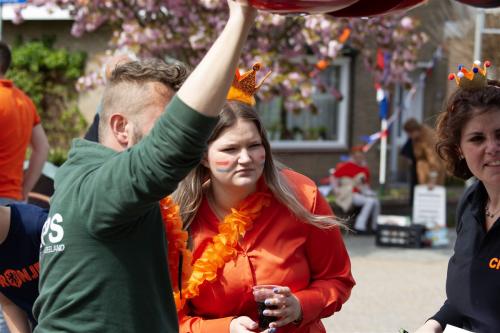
{"x":39,"y":151}
{"x":206,"y":88}
{"x":177,"y":141}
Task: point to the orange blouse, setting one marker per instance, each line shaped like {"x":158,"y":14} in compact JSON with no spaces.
{"x":281,"y":250}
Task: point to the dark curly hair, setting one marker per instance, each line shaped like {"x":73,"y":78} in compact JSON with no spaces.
{"x":462,"y":106}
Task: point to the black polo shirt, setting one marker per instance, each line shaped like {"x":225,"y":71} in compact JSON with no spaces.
{"x":473,"y":281}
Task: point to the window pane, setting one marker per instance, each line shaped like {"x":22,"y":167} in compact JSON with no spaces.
{"x":322,"y":123}
{"x":327,"y":107}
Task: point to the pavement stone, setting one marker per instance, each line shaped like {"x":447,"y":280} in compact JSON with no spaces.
{"x":395,"y":287}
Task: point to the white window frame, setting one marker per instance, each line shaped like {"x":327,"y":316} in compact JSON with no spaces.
{"x":343,"y":112}
{"x":36,"y":13}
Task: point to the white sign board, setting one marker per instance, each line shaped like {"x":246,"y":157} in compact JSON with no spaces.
{"x":452,"y":329}
{"x":429,"y":206}
{"x":36,"y":13}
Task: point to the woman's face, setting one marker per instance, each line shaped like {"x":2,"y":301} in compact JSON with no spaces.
{"x":236,"y":158}
{"x":480,"y":146}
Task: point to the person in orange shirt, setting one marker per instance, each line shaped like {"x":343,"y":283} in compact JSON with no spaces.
{"x":252,"y":222}
{"x":21,"y":128}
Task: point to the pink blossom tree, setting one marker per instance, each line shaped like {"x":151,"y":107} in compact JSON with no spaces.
{"x":184,"y":29}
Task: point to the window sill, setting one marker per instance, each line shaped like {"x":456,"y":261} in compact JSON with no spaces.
{"x":308,"y":146}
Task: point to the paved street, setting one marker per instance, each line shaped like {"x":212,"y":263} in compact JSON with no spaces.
{"x":396,"y":288}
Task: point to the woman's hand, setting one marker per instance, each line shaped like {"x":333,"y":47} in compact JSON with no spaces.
{"x":431,"y":326}
{"x":287,"y":305}
{"x":243,"y":325}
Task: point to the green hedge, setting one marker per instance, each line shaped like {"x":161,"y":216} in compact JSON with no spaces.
{"x":48,"y":75}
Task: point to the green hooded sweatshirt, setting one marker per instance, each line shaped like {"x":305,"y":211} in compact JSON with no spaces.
{"x":103,"y":256}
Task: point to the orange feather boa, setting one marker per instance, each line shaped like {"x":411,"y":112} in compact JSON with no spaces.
{"x":221,"y":250}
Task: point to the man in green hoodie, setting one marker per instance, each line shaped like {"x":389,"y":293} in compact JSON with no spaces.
{"x":103,"y":255}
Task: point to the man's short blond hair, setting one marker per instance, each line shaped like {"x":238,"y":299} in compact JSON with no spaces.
{"x":132,"y":85}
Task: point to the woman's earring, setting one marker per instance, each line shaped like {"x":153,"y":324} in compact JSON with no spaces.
{"x":460,"y":155}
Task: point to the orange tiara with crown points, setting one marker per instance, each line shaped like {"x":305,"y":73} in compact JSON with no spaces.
{"x":471,"y":79}
{"x":245,"y":85}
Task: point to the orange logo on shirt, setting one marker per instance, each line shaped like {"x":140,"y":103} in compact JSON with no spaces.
{"x":17,"y":277}
{"x":494,"y":263}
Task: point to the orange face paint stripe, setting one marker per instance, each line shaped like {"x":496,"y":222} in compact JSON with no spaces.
{"x":223,"y":164}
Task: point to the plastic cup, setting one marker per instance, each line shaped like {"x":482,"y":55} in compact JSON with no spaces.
{"x":261,"y":293}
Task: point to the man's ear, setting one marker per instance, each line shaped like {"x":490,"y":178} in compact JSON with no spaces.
{"x":119,"y":127}
{"x":204,"y":160}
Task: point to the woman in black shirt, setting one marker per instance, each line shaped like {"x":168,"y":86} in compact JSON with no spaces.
{"x":469,"y":142}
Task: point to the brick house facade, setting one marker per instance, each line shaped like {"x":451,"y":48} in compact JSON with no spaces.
{"x":356,"y":117}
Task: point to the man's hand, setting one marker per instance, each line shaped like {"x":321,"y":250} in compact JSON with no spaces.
{"x":205,"y":90}
{"x":241,"y":7}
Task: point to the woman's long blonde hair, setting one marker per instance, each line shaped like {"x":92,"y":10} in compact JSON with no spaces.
{"x":189,"y":193}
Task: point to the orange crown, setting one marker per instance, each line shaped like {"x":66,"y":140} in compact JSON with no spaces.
{"x":471,"y":79}
{"x":245,"y":85}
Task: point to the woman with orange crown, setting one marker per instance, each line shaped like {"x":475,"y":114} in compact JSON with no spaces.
{"x":250,"y":223}
{"x":469,"y":142}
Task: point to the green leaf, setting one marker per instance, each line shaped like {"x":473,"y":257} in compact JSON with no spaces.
{"x":48,"y":76}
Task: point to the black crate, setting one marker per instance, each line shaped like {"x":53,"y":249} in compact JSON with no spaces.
{"x":392,"y":235}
